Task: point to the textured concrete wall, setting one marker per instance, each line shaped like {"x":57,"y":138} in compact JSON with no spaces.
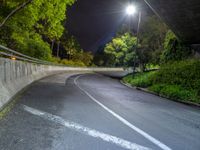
{"x":182,"y":16}
{"x":15,"y":75}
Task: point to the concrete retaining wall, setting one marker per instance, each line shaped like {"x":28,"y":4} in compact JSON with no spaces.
{"x":15,"y":75}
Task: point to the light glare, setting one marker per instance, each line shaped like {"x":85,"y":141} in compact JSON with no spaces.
{"x":131,"y":9}
{"x":13,"y":58}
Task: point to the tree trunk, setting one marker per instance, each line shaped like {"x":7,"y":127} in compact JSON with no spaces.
{"x":58,"y":48}
{"x":52,"y":44}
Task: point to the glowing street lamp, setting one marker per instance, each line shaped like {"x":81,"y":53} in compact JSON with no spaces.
{"x":131,"y":9}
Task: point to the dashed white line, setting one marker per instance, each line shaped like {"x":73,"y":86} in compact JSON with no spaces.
{"x":87,"y":131}
{"x":124,"y":121}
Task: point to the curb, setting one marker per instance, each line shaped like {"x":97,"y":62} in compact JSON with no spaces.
{"x":153,"y":93}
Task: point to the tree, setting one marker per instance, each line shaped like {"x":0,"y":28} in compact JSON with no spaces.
{"x":101,"y":58}
{"x":152,"y":36}
{"x":121,"y":48}
{"x":174,"y":49}
{"x":84,"y":57}
{"x":71,"y":45}
{"x":18,"y":8}
{"x":151,"y":39}
{"x":28,"y":30}
{"x":74,"y":51}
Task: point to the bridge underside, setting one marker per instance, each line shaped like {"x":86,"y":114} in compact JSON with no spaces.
{"x":182,"y":16}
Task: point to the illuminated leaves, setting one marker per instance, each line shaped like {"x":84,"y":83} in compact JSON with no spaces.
{"x":122,"y":48}
{"x":27,"y":29}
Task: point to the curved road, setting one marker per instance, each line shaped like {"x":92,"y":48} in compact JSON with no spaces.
{"x":95,"y":112}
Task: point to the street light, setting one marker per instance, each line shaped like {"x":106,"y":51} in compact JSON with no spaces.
{"x":131,"y":10}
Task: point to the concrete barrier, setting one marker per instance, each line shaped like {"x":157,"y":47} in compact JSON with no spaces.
{"x":16,"y":75}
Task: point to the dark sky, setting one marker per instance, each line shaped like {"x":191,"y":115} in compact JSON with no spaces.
{"x":94,"y":22}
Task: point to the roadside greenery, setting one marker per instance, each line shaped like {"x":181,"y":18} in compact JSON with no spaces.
{"x":140,"y":79}
{"x":179,"y":80}
{"x":30,"y":29}
{"x":176,"y":92}
{"x":68,"y":62}
{"x":178,"y":76}
{"x":157,"y":45}
{"x":174,"y":49}
{"x":36,"y":28}
{"x":122,"y":49}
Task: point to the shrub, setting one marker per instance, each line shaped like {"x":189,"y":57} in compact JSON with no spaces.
{"x":178,"y":80}
{"x":55,"y":60}
{"x":184,"y":73}
{"x":140,"y":79}
{"x":176,"y":92}
{"x":174,"y":49}
{"x":72,"y":63}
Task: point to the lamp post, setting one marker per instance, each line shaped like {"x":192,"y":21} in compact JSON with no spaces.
{"x":131,"y":10}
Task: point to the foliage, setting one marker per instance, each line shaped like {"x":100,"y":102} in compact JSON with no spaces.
{"x":74,"y":52}
{"x":103,"y":59}
{"x":151,"y":39}
{"x":144,"y":57}
{"x":121,"y":48}
{"x":140,"y":79}
{"x":33,"y":25}
{"x":70,"y":45}
{"x":174,"y":49}
{"x":152,"y":36}
{"x":72,"y":63}
{"x":152,"y":67}
{"x":178,"y":80}
{"x":67,"y":62}
{"x":184,"y":73}
{"x":85,"y":57}
{"x":176,"y":92}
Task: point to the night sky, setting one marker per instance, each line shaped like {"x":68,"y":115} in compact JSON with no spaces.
{"x":94,"y":22}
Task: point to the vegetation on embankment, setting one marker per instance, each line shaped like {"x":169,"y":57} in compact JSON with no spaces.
{"x":178,"y":80}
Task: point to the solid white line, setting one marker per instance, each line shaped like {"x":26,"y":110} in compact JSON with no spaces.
{"x":87,"y":131}
{"x":124,"y":121}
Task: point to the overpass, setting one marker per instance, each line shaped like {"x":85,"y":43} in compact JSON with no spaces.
{"x":182,"y":16}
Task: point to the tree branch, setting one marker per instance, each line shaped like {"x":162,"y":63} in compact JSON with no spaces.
{"x":20,"y":7}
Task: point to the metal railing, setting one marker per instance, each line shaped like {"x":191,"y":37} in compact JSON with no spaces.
{"x":9,"y":53}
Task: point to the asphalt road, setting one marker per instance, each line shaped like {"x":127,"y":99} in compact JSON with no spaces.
{"x":95,"y":112}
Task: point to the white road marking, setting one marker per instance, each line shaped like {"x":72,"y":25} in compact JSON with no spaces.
{"x":124,"y":121}
{"x":87,"y":131}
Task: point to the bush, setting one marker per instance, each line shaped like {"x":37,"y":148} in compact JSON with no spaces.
{"x":178,"y":80}
{"x":66,"y":62}
{"x":184,"y":73}
{"x":72,"y":63}
{"x":175,"y":92}
{"x":140,"y":79}
{"x":174,"y":49}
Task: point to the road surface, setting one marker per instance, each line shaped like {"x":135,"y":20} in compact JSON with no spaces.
{"x":95,"y":112}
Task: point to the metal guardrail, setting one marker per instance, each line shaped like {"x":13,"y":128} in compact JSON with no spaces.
{"x":19,"y":56}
